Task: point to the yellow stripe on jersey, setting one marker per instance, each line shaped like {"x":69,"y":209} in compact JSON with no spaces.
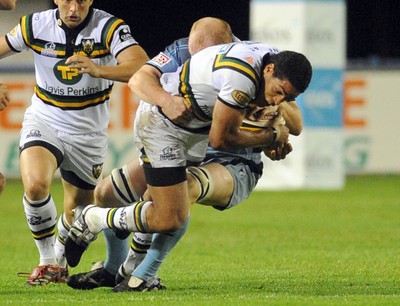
{"x":48,"y":98}
{"x":24,"y":29}
{"x":186,"y":91}
{"x":30,"y":41}
{"x":224,"y":61}
{"x":110,"y":31}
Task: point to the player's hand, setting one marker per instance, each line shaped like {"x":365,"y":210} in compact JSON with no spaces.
{"x":278,"y":152}
{"x":83,"y":65}
{"x":178,"y":111}
{"x":282,"y":135}
{"x":4,"y":96}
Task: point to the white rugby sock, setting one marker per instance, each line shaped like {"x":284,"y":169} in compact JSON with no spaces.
{"x":130,"y":218}
{"x":63,"y":227}
{"x":42,"y":217}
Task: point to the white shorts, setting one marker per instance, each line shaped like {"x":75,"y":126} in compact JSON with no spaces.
{"x":166,"y":145}
{"x":81,"y":154}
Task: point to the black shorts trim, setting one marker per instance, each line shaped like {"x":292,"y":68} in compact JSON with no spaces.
{"x":160,"y":177}
{"x":39,"y":143}
{"x":73,"y":179}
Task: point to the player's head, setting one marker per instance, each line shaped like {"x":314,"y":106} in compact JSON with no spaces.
{"x":285,"y":76}
{"x":209,"y":31}
{"x":73,"y":12}
{"x":7,"y":4}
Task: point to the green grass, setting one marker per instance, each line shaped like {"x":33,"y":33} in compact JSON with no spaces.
{"x":277,"y":248}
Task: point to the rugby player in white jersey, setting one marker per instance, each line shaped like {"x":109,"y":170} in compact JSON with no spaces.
{"x":223,"y":180}
{"x":220,"y":83}
{"x":78,"y":53}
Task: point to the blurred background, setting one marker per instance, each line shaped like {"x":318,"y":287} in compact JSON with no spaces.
{"x":350,"y":109}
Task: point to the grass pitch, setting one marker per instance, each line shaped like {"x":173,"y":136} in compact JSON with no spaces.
{"x":277,"y":248}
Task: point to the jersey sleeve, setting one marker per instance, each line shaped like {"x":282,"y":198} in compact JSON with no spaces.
{"x":118,"y":36}
{"x":172,"y":57}
{"x":237,"y":79}
{"x":17,"y":36}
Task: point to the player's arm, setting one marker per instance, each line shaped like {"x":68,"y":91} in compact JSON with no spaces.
{"x":226,"y":134}
{"x":293,"y":117}
{"x":129,"y":61}
{"x":145,"y":83}
{"x":5,"y":49}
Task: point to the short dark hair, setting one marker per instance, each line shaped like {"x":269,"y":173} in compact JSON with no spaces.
{"x":291,"y":66}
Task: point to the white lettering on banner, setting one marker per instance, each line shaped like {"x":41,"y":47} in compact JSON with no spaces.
{"x":320,"y":98}
{"x":317,"y":36}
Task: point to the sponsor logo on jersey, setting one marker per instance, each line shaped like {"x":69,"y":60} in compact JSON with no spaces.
{"x":124,"y":34}
{"x":161,"y":59}
{"x":96,"y":170}
{"x":87,"y":45}
{"x":240,"y":97}
{"x":49,"y":50}
{"x":167,"y":154}
{"x":65,"y":74}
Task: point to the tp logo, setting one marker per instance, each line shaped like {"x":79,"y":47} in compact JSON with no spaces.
{"x":65,"y":74}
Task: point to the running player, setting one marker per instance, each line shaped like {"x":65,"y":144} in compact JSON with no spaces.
{"x":78,"y":53}
{"x":231,"y":176}
{"x":222,"y":81}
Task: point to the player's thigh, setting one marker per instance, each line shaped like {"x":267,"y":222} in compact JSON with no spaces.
{"x":37,"y":166}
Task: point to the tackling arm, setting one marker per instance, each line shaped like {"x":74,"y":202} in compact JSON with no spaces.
{"x":146,"y":85}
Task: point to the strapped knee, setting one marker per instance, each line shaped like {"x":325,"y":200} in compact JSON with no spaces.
{"x":122,"y":186}
{"x":204,"y":180}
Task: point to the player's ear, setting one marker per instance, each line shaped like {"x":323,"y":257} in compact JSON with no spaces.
{"x":269,"y":68}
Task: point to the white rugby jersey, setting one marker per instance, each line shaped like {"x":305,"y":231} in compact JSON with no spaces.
{"x":69,"y":102}
{"x":231,"y":73}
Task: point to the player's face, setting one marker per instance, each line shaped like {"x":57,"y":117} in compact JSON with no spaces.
{"x":73,"y":12}
{"x":276,"y":90}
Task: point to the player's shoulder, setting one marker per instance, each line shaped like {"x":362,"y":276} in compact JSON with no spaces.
{"x":42,"y":16}
{"x":97,"y":13}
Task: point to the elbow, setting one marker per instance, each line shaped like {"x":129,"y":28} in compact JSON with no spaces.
{"x":221,"y":144}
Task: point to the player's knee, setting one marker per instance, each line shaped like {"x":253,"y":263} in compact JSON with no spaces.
{"x":200,"y":179}
{"x":37,"y":188}
{"x":175,"y":223}
{"x":172,"y":219}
